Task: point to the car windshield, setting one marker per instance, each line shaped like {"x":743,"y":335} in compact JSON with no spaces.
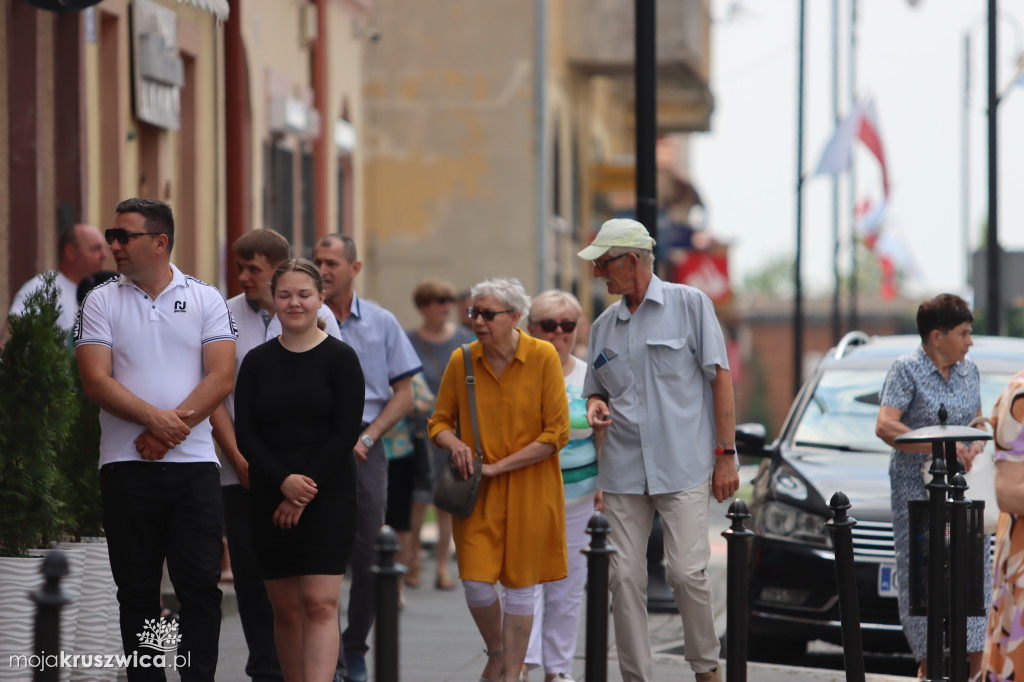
{"x":842,"y":412}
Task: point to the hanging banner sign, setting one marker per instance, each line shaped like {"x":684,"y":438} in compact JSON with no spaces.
{"x":158,"y":70}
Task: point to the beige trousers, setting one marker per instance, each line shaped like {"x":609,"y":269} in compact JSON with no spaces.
{"x":687,"y":551}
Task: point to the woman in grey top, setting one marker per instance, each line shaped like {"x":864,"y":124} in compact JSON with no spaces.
{"x":434,"y":341}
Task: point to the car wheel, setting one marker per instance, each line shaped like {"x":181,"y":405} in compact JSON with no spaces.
{"x":775,"y":649}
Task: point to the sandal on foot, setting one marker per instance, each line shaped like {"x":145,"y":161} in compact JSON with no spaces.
{"x":412,"y":576}
{"x":493,"y":654}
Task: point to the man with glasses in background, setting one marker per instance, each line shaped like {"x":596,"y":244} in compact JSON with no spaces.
{"x":156,"y":350}
{"x":81,"y":253}
{"x":659,"y":388}
{"x":389,"y":362}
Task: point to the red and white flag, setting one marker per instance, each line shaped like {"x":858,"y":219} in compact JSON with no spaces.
{"x":860,"y":124}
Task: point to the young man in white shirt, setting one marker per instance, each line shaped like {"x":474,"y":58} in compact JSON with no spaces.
{"x":156,"y":351}
{"x":258,"y":253}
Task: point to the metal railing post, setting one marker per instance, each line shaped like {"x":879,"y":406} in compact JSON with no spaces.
{"x":599,"y":555}
{"x":841,"y":526}
{"x":737,"y":600}
{"x":388,"y":573}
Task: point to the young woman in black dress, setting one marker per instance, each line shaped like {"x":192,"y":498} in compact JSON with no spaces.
{"x":299,"y":402}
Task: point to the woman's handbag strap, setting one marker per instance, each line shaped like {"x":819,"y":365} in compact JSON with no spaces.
{"x":470,"y":388}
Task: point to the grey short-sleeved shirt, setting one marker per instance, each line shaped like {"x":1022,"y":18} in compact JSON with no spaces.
{"x":658,"y":384}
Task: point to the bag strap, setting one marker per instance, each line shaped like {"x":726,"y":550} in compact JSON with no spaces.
{"x":470,"y":388}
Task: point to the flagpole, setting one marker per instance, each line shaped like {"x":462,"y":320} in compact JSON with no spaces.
{"x":854,"y":322}
{"x":798,"y":303}
{"x":836,"y":322}
{"x":965,"y":163}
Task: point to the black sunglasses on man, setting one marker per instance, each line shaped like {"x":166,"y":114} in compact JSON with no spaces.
{"x":122,"y":236}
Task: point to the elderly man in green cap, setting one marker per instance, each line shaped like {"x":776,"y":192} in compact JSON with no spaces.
{"x":658,"y":386}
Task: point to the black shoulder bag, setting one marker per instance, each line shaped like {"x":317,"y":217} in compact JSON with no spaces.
{"x":453,"y":493}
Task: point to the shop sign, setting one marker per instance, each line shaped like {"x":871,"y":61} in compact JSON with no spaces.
{"x":707,"y":271}
{"x":159,"y":71}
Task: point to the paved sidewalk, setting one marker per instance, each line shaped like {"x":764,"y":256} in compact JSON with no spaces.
{"x":438,"y":641}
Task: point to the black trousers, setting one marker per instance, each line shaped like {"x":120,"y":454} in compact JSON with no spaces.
{"x":154,"y":511}
{"x":254,"y":607}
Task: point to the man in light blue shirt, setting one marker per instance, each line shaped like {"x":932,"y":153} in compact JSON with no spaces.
{"x":658,"y":386}
{"x":389,"y":362}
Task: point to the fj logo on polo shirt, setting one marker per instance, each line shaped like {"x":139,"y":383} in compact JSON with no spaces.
{"x":179,"y":306}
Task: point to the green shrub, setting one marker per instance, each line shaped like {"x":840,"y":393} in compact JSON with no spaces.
{"x":37,"y":407}
{"x":79,"y":468}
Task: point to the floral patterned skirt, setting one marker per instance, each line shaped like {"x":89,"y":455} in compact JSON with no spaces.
{"x":1004,"y":653}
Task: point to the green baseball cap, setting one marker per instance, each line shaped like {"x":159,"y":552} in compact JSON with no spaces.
{"x":618,"y":232}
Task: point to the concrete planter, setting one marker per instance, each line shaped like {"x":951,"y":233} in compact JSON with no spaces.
{"x":19,"y":578}
{"x":99,"y":630}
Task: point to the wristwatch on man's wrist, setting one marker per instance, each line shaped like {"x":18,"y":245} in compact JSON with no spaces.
{"x":367,"y":440}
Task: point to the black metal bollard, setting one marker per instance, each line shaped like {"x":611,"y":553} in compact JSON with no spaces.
{"x":936,"y":563}
{"x":386,"y":636}
{"x":841,"y":526}
{"x":737,"y":600}
{"x":958,"y":580}
{"x":599,"y":555}
{"x":49,"y":602}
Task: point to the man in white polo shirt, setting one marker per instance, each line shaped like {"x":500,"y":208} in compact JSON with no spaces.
{"x":81,"y":252}
{"x":258,"y":253}
{"x":156,"y":350}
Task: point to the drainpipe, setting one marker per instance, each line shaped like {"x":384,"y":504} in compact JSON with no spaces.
{"x":237,"y":135}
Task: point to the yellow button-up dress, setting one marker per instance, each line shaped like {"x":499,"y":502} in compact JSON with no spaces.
{"x":516,"y":534}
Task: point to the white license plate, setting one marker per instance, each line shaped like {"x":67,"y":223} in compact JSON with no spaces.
{"x":887,"y":585}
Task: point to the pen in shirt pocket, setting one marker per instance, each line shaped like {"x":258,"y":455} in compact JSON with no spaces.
{"x":605,"y":355}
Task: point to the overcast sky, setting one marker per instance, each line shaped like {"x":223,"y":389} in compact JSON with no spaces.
{"x":910,"y":60}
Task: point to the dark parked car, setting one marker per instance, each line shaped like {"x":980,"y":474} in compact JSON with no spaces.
{"x":828,"y":444}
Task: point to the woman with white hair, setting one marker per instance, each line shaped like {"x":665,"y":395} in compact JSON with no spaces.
{"x":516,"y":533}
{"x":554,"y":317}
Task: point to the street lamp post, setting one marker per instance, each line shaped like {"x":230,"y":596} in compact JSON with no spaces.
{"x":994,"y":312}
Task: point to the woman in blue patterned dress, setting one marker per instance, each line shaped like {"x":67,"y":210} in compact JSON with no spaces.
{"x":918,"y":383}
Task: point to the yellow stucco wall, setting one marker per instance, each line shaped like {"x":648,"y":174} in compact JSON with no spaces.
{"x":347,"y":38}
{"x":450,"y":159}
{"x":279,"y":57}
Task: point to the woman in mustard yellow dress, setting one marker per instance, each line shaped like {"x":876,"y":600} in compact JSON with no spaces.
{"x":516,"y":534}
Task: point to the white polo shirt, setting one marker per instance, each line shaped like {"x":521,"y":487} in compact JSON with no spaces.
{"x":68,"y":298}
{"x":156,"y":351}
{"x":255,"y":327}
